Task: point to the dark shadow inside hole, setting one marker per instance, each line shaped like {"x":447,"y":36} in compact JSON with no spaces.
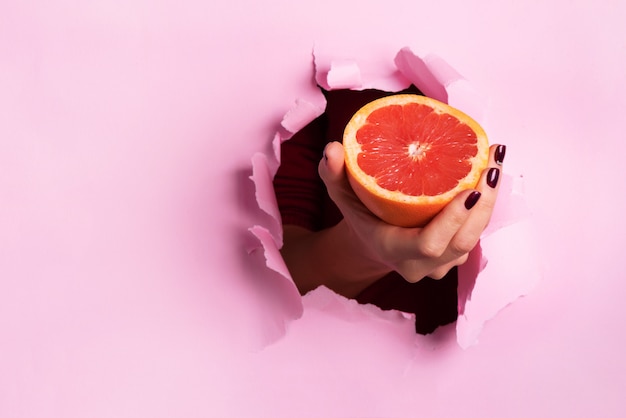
{"x":303,"y":201}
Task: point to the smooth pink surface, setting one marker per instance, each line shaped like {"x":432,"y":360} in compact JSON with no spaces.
{"x":126,"y":286}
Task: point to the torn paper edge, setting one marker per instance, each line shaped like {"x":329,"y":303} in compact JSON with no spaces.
{"x":281,"y":289}
{"x":332,"y":73}
{"x":262,"y":177}
{"x":323,"y":298}
{"x":510,"y":278}
{"x":269,"y":236}
{"x":435,"y":78}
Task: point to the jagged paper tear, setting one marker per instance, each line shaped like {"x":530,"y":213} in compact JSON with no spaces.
{"x":502,"y":268}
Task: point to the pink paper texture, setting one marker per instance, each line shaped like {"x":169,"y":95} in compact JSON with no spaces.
{"x":131,"y":284}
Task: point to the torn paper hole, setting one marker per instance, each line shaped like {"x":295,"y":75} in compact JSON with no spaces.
{"x":480,"y":295}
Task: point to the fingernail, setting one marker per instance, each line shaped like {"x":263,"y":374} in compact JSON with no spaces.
{"x":498,"y":156}
{"x":492,"y":177}
{"x":472,"y":199}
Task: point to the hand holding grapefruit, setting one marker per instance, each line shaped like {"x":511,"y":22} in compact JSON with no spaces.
{"x":407,"y":156}
{"x":379,"y":247}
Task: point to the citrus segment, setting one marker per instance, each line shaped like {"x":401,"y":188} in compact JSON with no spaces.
{"x":407,"y":156}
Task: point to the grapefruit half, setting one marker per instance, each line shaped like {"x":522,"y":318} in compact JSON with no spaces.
{"x":407,"y":156}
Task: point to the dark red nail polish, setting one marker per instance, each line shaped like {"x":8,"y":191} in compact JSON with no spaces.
{"x":499,"y":154}
{"x":492,"y":177}
{"x":472,"y":199}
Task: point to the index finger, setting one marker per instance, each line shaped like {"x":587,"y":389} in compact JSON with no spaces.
{"x":435,"y":237}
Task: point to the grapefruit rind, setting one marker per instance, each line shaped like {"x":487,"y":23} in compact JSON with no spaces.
{"x":395,"y":207}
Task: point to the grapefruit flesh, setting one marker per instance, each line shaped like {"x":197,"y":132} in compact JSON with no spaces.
{"x":407,"y":156}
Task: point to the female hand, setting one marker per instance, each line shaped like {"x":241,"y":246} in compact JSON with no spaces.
{"x":414,"y":253}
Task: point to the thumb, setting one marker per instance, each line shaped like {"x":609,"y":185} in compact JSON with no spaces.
{"x":331,"y":167}
{"x":332,"y":171}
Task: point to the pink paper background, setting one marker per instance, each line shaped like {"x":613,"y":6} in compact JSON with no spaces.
{"x":127,"y":288}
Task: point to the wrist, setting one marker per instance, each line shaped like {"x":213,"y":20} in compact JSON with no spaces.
{"x":334,"y":257}
{"x":356,"y":262}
